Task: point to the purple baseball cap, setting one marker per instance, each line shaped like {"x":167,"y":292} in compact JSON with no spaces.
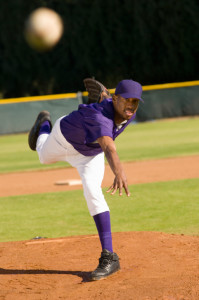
{"x":128,"y":88}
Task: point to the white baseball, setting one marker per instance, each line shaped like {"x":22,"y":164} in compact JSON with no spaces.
{"x":43,"y":29}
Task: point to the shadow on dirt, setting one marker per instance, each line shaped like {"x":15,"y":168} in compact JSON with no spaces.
{"x":84,"y":275}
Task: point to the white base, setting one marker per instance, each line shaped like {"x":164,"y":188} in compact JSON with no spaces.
{"x":69,"y":182}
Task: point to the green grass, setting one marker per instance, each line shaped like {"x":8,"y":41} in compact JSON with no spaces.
{"x":150,"y":140}
{"x":160,"y":139}
{"x":171,"y":207}
{"x":15,"y":155}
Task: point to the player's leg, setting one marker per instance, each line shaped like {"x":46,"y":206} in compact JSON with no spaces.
{"x":42,"y":125}
{"x":52,"y":147}
{"x":49,"y":146}
{"x":91,"y":170}
{"x":47,"y":141}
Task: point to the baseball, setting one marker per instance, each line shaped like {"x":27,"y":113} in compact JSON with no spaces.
{"x":43,"y":29}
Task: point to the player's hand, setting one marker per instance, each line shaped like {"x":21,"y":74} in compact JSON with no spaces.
{"x":104,"y":95}
{"x":119,"y":183}
{"x":108,"y":146}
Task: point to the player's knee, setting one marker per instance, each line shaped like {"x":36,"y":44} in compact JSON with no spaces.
{"x":97,"y":207}
{"x":42,"y":160}
{"x":92,"y":191}
{"x":95,"y":200}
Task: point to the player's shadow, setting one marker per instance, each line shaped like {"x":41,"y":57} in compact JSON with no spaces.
{"x":84,"y":275}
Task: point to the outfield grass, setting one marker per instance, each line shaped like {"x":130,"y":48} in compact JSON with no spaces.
{"x":171,"y":207}
{"x":159,"y":139}
{"x":150,"y":140}
{"x":15,"y":155}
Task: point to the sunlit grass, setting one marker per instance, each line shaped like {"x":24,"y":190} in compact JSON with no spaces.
{"x":171,"y":207}
{"x":149,"y":140}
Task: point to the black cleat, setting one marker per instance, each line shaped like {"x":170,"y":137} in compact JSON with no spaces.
{"x":34,"y":132}
{"x":108,"y":264}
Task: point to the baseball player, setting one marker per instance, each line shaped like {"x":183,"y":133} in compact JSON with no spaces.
{"x":82,"y":138}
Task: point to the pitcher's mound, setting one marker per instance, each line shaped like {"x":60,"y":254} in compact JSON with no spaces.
{"x":154,"y":266}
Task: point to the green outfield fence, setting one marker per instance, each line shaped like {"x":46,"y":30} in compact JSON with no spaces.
{"x":160,"y":101}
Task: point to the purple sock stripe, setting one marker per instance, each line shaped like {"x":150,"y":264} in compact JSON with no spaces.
{"x":103,"y":221}
{"x":103,"y":224}
{"x":45,"y":128}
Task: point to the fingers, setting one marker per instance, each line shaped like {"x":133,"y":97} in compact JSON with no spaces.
{"x":113,"y":189}
{"x":115,"y":186}
{"x":110,"y":188}
{"x":126,"y":189}
{"x":127,"y":192}
{"x":125,"y":186}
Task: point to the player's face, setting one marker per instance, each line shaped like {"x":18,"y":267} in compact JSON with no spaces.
{"x":124,"y":108}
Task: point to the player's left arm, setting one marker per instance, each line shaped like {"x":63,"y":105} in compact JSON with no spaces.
{"x":108,"y":146}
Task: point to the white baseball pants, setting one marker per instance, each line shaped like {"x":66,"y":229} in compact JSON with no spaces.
{"x":53,"y":147}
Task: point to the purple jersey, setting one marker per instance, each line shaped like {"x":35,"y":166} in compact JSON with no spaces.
{"x":83,"y":127}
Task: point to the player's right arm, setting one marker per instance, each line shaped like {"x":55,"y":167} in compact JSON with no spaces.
{"x":120,"y":181}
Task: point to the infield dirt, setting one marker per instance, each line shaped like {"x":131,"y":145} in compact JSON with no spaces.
{"x":154,"y":266}
{"x":137,"y":172}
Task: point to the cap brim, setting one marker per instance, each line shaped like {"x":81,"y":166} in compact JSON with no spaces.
{"x":127,"y":95}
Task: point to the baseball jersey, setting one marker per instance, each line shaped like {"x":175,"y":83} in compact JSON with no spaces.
{"x":83,"y":127}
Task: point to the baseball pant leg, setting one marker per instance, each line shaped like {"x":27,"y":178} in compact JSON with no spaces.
{"x":53,"y":147}
{"x":49,"y":146}
{"x":92,"y":173}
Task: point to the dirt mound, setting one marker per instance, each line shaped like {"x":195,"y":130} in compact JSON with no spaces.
{"x":154,"y":266}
